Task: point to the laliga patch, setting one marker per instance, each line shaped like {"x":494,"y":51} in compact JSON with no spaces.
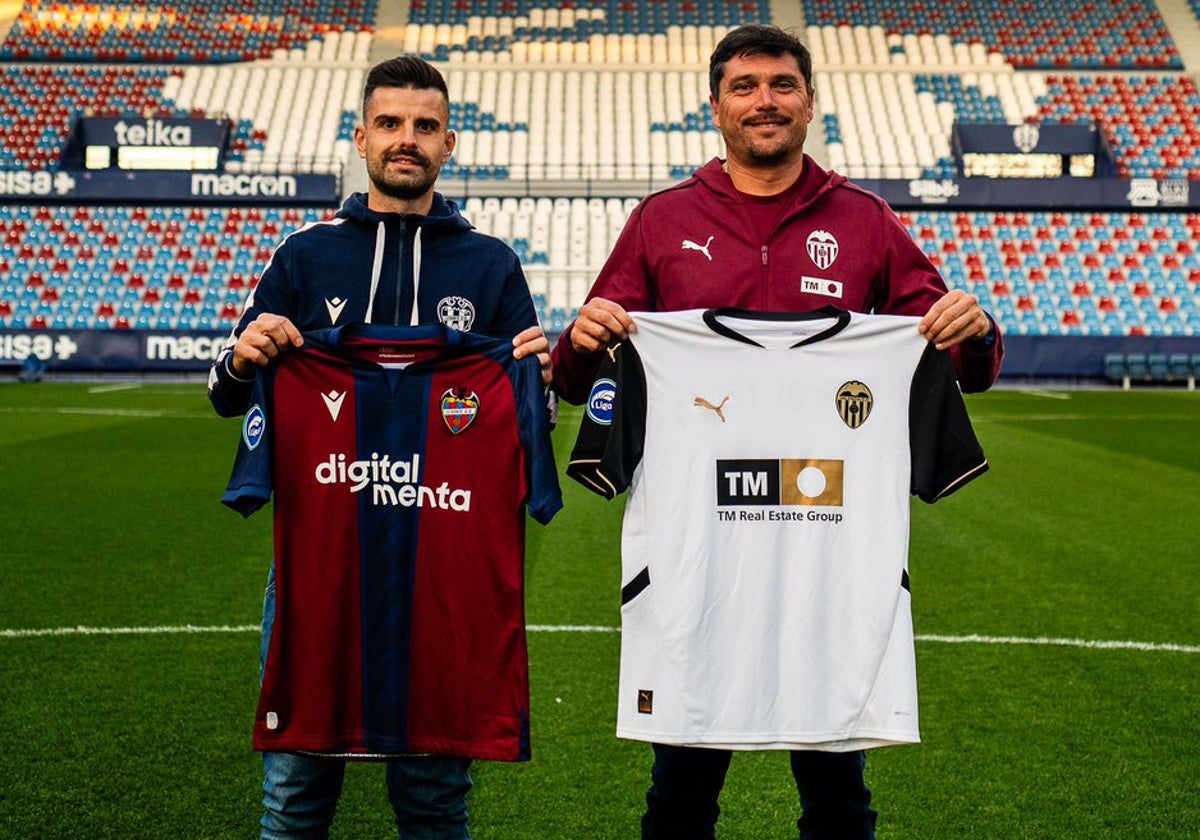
{"x":459,"y":409}
{"x":254,"y":426}
{"x":600,"y":401}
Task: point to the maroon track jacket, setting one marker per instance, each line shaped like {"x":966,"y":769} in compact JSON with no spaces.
{"x":694,"y":245}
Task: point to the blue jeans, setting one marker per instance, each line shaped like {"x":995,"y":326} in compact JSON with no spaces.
{"x":686,"y":783}
{"x":300,"y":792}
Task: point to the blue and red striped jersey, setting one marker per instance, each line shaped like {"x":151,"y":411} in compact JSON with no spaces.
{"x":402,"y":461}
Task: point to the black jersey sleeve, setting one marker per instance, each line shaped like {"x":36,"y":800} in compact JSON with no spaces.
{"x":945,"y":452}
{"x":613,"y":430}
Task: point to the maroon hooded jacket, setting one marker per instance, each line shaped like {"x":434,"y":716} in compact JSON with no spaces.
{"x":695,"y":246}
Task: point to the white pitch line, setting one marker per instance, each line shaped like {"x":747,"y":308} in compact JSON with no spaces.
{"x":116,"y":386}
{"x":1099,"y":644}
{"x":126,"y":631}
{"x":971,"y":639}
{"x":108,"y":412}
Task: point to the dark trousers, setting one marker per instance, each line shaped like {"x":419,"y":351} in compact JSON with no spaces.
{"x":686,"y":783}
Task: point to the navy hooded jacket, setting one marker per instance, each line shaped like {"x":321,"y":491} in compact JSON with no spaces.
{"x":370,"y":267}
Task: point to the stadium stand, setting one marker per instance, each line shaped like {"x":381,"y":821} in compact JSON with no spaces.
{"x":190,"y":32}
{"x":567,"y":113}
{"x":1101,"y":34}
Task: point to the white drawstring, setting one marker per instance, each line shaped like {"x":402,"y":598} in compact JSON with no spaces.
{"x":416,"y":275}
{"x":380,"y":241}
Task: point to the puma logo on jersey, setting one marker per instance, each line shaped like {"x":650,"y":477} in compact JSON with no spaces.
{"x":612,"y":352}
{"x":689,"y":245}
{"x":703,"y":403}
{"x":334,"y":307}
{"x":333,"y":402}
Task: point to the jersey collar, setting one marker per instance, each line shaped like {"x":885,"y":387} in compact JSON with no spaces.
{"x":712,"y":321}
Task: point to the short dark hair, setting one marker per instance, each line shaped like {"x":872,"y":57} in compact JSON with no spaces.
{"x":404,"y":71}
{"x":757,"y":39}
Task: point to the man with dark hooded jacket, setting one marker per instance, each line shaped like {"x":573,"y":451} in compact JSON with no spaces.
{"x":767,"y":229}
{"x":400,"y":254}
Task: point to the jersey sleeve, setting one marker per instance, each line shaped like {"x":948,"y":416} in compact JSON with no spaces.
{"x":250,"y":484}
{"x":545,"y":494}
{"x":613,"y":430}
{"x":945,"y":452}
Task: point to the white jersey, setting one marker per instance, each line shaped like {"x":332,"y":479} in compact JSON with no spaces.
{"x":769,"y":459}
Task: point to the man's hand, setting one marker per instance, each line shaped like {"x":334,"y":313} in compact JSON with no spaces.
{"x":955,"y":318}
{"x":598,"y":323}
{"x":532,"y":342}
{"x":263,"y":339}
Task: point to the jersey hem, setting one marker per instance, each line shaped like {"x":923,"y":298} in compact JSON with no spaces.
{"x":862,"y":741}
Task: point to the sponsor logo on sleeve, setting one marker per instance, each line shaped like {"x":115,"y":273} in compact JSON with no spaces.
{"x":254,"y":426}
{"x":600,"y":401}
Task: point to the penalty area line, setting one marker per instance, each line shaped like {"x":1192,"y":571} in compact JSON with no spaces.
{"x":970,"y":639}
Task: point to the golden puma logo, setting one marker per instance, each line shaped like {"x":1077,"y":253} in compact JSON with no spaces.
{"x":703,"y":403}
{"x":612,"y":351}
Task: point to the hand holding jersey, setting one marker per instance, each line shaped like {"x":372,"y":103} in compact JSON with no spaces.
{"x":261,"y":341}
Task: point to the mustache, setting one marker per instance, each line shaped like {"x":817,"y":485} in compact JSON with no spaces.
{"x":412,"y":155}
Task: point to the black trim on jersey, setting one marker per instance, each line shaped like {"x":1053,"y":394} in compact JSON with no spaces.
{"x":636,"y":586}
{"x":945,"y":452}
{"x":605,"y":456}
{"x":904,"y":581}
{"x":711,"y":317}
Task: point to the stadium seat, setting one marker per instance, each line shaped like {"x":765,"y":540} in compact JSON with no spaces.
{"x":1115,"y":369}
{"x":1180,"y":370}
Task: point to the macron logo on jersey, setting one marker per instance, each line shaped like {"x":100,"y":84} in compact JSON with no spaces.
{"x":812,"y":482}
{"x":333,"y":402}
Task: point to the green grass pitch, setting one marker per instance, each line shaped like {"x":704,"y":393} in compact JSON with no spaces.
{"x":1084,"y":531}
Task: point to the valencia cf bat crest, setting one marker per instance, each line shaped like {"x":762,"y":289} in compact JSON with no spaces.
{"x":854,"y":403}
{"x":459,"y":407}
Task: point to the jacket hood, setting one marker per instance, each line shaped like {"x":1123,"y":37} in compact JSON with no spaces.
{"x":443,"y":216}
{"x":814,"y":182}
{"x":401,"y":228}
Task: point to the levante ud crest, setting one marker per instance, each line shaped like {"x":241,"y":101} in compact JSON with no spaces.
{"x":459,"y":408}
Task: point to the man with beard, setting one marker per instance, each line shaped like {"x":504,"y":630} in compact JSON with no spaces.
{"x":400,"y":254}
{"x":766,"y":229}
